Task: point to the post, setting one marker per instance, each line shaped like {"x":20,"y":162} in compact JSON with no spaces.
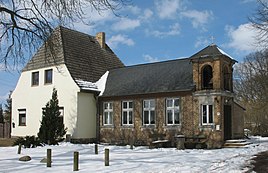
{"x":131,"y":143}
{"x":106,"y":157}
{"x":48,"y":157}
{"x":96,"y":149}
{"x":19,"y":149}
{"x":76,"y":161}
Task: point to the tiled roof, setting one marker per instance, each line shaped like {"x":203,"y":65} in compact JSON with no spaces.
{"x":212,"y":51}
{"x":81,"y":53}
{"x":160,"y":77}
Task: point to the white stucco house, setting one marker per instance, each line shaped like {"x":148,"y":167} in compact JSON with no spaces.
{"x":79,"y":63}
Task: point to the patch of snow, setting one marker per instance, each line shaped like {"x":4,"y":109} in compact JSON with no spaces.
{"x":140,"y":159}
{"x":101,"y":83}
{"x":224,"y":53}
{"x":86,"y":85}
{"x":97,"y":86}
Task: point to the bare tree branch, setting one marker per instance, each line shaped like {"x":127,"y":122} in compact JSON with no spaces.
{"x":25,"y":24}
{"x":251,"y":87}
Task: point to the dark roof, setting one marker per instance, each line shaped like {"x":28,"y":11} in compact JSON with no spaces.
{"x":211,"y":51}
{"x":81,"y":53}
{"x":168,"y":76}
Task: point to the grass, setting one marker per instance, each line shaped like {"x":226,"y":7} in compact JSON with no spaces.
{"x":7,"y":142}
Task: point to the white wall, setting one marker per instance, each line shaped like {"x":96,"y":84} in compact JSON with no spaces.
{"x":34,"y":98}
{"x":86,"y":116}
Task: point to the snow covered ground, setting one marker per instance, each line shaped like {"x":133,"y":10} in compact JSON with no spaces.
{"x":140,"y":159}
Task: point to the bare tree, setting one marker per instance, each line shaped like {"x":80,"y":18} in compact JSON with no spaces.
{"x":24,"y":24}
{"x":259,"y":21}
{"x":251,"y":86}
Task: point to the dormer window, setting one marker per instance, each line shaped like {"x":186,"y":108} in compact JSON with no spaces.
{"x":207,"y":77}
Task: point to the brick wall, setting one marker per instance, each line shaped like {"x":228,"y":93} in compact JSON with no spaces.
{"x":140,"y":134}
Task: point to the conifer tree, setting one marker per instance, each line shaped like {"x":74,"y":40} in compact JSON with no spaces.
{"x":52,"y":128}
{"x":8,"y":108}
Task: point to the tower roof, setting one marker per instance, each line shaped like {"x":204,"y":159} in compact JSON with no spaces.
{"x":211,"y":51}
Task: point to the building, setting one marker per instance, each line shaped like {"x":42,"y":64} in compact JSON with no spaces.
{"x":77,"y":64}
{"x":104,"y":100}
{"x":192,"y":97}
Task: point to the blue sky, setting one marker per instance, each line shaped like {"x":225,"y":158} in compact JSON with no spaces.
{"x":159,"y":30}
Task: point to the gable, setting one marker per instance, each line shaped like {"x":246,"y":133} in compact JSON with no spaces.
{"x":81,"y":53}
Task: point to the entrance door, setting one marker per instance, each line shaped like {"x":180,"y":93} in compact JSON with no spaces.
{"x":227,"y":122}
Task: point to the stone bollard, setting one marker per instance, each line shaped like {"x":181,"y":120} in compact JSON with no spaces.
{"x":96,"y":149}
{"x":106,"y":157}
{"x":76,"y":161}
{"x":19,"y":149}
{"x":48,"y":157}
{"x":131,"y":144}
{"x":180,"y":140}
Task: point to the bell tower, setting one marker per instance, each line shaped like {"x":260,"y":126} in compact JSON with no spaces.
{"x":212,"y":70}
{"x":213,"y":95}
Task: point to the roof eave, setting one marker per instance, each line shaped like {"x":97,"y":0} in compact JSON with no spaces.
{"x":150,"y":93}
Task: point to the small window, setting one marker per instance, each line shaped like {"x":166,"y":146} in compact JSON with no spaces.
{"x":227,"y":79}
{"x":35,"y":78}
{"x":48,"y":76}
{"x":173,"y":111}
{"x":22,"y":117}
{"x":127,"y":113}
{"x":207,"y":114}
{"x":148,"y":112}
{"x":107,"y":113}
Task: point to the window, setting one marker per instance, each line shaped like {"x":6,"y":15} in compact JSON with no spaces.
{"x":173,"y":111}
{"x":48,"y":76}
{"x":22,"y":117}
{"x":207,"y":77}
{"x":207,"y":114}
{"x":35,"y":78}
{"x":227,"y":78}
{"x":108,"y":113}
{"x":148,"y":112}
{"x":127,"y":113}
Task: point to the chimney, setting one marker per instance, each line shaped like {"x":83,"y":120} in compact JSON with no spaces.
{"x":101,"y":39}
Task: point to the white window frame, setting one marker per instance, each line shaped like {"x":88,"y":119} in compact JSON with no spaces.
{"x":150,"y":109}
{"x":206,"y":113}
{"x":128,"y":110}
{"x":173,"y":109}
{"x":108,"y":112}
{"x":22,"y":120}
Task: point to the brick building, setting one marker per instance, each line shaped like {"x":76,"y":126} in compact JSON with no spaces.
{"x":101,"y":99}
{"x":192,"y":97}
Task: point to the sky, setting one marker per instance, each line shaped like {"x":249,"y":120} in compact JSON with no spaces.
{"x":160,"y":30}
{"x":139,"y":160}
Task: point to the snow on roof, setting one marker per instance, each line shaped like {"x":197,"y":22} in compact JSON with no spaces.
{"x":224,"y":53}
{"x":101,"y":83}
{"x":90,"y":86}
